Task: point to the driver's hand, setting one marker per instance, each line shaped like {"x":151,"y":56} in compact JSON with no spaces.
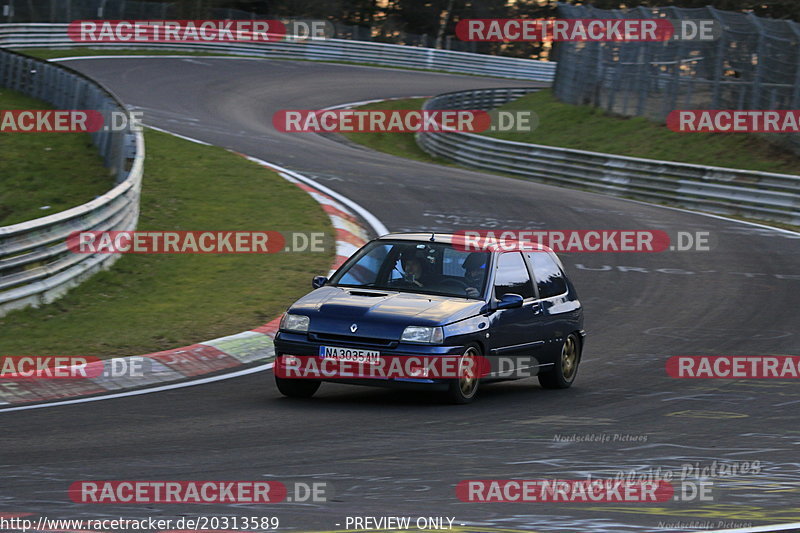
{"x":472,"y":292}
{"x":412,"y":281}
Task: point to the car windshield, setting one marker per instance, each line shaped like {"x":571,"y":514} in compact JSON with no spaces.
{"x":419,"y":267}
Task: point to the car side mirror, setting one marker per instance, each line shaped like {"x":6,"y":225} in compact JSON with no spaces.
{"x":510,"y":301}
{"x":319,"y":281}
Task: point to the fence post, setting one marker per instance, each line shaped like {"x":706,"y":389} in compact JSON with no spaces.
{"x":796,"y":95}
{"x":671,"y":102}
{"x":720,"y":59}
{"x":759,"y":74}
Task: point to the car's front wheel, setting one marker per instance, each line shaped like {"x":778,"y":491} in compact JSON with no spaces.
{"x":465,"y":387}
{"x":566,"y":367}
{"x":297,"y":388}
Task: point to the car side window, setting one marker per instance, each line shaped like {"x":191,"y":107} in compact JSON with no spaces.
{"x":549,"y":278}
{"x":512,"y":276}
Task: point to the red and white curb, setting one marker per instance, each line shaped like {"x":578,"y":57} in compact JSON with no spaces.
{"x":350,"y":234}
{"x":209,"y":357}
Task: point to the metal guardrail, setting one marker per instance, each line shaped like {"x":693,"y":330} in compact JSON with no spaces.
{"x":55,"y":36}
{"x":35,"y":265}
{"x":759,"y":195}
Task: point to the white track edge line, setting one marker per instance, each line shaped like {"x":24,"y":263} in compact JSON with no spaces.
{"x":178,"y":135}
{"x":377,"y":227}
{"x":367,"y":102}
{"x":372,"y":220}
{"x":712,"y":215}
{"x":139,"y":392}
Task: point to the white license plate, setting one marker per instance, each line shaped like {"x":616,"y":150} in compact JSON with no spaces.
{"x":349,"y":354}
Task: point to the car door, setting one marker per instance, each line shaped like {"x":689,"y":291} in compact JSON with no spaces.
{"x":516,"y":334}
{"x":556,"y":308}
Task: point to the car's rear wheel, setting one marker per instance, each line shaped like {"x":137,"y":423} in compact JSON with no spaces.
{"x":297,"y":388}
{"x":566,"y":367}
{"x":463,"y":389}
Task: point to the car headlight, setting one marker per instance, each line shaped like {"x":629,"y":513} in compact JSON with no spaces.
{"x":423,"y":334}
{"x":298,"y":323}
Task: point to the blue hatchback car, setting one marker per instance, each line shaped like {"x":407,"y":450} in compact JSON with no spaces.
{"x":421,"y":297}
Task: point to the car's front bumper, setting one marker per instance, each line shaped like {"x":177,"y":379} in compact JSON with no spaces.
{"x":298,"y":344}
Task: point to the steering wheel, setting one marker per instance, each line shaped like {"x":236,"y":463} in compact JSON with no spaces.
{"x":459,"y":284}
{"x":404,"y":283}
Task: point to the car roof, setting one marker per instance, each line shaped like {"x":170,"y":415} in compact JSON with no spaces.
{"x":488,"y":241}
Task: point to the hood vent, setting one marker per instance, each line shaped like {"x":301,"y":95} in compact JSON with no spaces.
{"x":368,"y":294}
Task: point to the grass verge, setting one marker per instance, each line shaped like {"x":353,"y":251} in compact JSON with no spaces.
{"x":399,"y":144}
{"x":146,"y":303}
{"x":45,"y":173}
{"x":587,"y":128}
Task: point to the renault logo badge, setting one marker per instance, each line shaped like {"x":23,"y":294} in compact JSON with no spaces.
{"x":353,"y":328}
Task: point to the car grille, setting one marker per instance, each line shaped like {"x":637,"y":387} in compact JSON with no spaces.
{"x":352,"y":339}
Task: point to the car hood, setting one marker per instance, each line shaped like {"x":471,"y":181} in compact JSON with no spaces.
{"x":379,"y":313}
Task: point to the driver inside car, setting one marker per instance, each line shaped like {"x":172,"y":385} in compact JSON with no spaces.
{"x":474,"y":273}
{"x":412,"y":269}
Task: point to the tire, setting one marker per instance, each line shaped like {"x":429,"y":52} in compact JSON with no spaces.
{"x":566,"y":368}
{"x":464,"y":389}
{"x":297,"y":388}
